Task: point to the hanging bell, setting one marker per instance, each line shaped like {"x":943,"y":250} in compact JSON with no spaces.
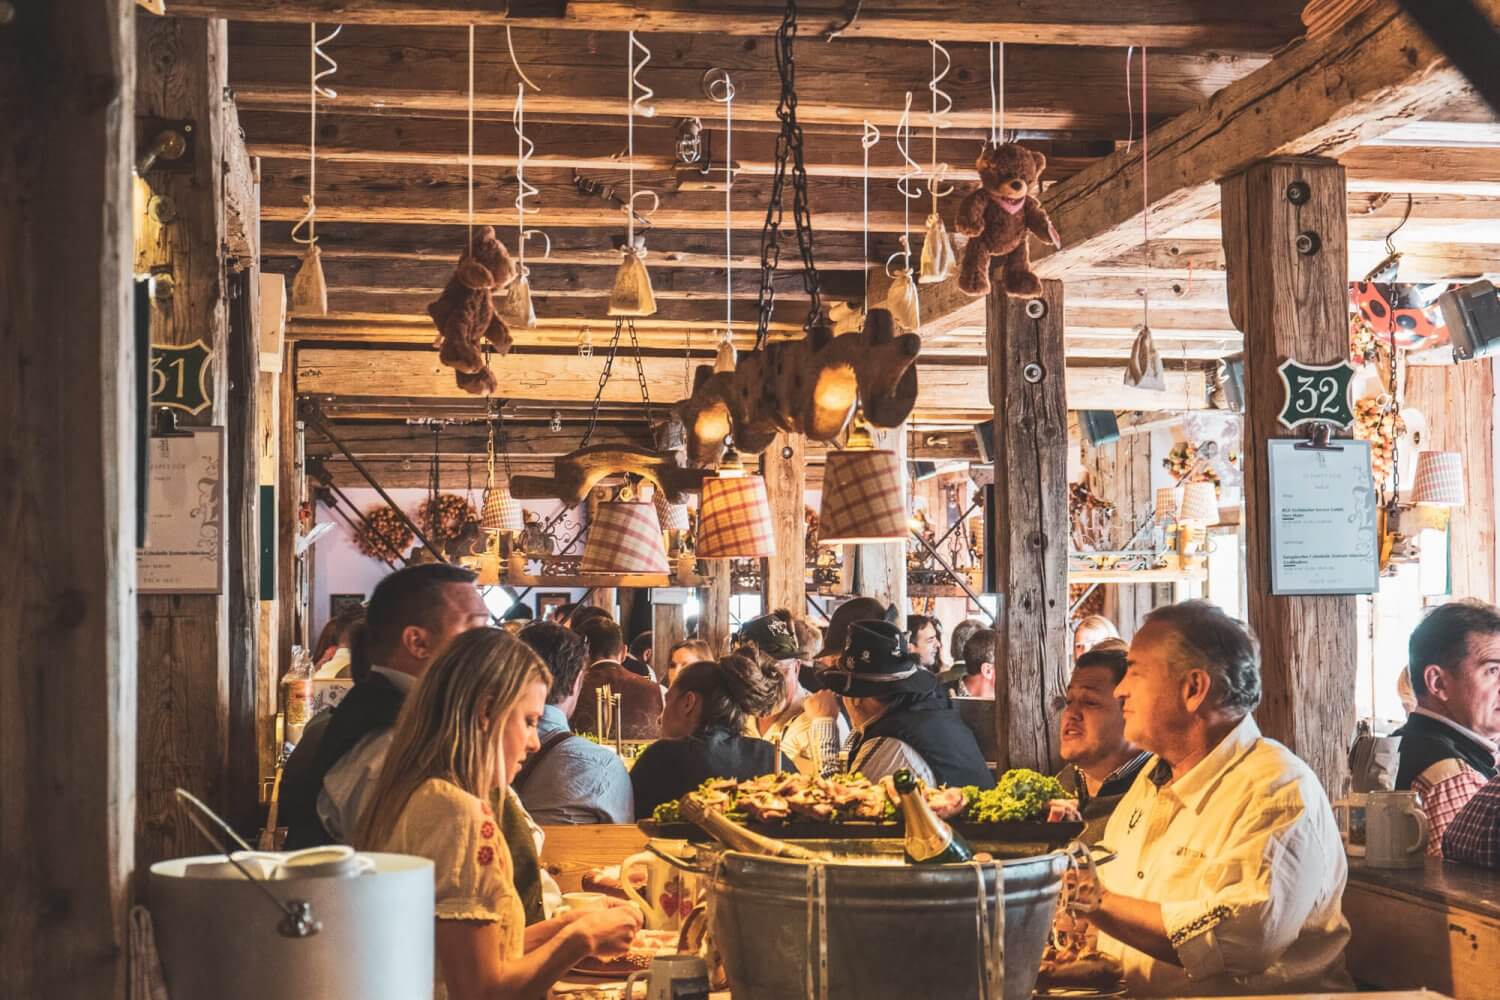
{"x":514,"y":304}
{"x":309,"y":289}
{"x":726,"y":359}
{"x":902,"y":300}
{"x":632,"y":294}
{"x":938,"y":258}
{"x":1144,"y":369}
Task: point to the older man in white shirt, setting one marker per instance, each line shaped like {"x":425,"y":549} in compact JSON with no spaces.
{"x":1230,"y":872}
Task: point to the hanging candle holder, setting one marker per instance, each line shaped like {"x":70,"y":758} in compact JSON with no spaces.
{"x":309,"y":288}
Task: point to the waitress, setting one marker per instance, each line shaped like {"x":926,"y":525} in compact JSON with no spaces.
{"x":702,"y":731}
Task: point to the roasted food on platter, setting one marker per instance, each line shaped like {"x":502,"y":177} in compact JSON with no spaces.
{"x":646,"y":946}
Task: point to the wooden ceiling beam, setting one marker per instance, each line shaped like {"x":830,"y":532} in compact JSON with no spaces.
{"x":1168,"y":23}
{"x":419,"y":70}
{"x":1465,"y":170}
{"x":1419,"y":261}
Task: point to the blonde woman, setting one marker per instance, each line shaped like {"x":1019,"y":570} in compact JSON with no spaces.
{"x":1090,"y":632}
{"x":460,"y":739}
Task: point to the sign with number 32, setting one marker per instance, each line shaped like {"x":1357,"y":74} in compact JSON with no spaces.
{"x":1316,"y":393}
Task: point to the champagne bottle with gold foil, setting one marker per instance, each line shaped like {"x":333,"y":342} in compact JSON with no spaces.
{"x":929,"y":840}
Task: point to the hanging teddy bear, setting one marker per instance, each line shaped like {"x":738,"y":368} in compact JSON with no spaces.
{"x":465,"y":312}
{"x":997,"y":218}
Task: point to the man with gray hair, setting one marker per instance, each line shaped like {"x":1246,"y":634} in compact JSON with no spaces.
{"x":1230,"y":874}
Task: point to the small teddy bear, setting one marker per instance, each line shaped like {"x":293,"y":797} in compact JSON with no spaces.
{"x":465,"y":311}
{"x":997,"y":217}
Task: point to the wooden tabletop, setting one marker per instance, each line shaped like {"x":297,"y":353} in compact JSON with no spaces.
{"x":1462,"y":886}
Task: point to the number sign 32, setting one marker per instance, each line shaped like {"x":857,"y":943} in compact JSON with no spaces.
{"x":1316,"y":393}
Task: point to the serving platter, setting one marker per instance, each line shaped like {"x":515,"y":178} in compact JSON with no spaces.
{"x":1055,"y":834}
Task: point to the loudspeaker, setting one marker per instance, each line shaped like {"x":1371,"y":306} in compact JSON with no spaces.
{"x":1472,"y":315}
{"x":984,"y":435}
{"x":1234,"y":382}
{"x":1101,"y":427}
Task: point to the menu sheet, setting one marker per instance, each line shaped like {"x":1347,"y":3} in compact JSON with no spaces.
{"x":185,"y":515}
{"x":1324,"y":533}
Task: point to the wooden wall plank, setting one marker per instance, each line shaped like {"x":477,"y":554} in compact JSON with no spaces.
{"x":783,"y":576}
{"x":67,"y":499}
{"x":713,"y":616}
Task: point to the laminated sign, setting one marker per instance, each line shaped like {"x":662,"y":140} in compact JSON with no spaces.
{"x":1316,"y":393}
{"x":179,"y":376}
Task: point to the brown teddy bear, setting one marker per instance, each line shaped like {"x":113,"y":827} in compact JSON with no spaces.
{"x":997,"y":217}
{"x":465,"y":312}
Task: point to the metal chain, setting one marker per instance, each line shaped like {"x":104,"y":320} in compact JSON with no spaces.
{"x":609,"y":363}
{"x":788,"y":145}
{"x":640,"y":368}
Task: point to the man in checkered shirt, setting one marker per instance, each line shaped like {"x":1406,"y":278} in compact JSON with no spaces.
{"x":1448,"y":750}
{"x":1474,"y":835}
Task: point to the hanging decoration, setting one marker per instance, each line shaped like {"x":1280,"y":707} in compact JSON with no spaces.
{"x":446,"y":517}
{"x":867,"y":140}
{"x":721,"y":90}
{"x":309,"y":288}
{"x":516,"y":308}
{"x":902,"y":299}
{"x":467,"y":323}
{"x":999,"y":216}
{"x":939,"y":259}
{"x":383,"y":534}
{"x":1144,"y":368}
{"x":500,"y":512}
{"x":625,"y":537}
{"x":864,"y":494}
{"x":632,"y":294}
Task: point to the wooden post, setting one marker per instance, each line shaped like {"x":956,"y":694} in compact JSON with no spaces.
{"x":268,"y":452}
{"x":784,"y":575}
{"x":1031,"y":518}
{"x":242,"y":518}
{"x":68,"y":405}
{"x":184,"y":655}
{"x":713,"y":619}
{"x":1120,"y":473}
{"x":291,"y":610}
{"x":1291,"y":305}
{"x":668,"y":627}
{"x":880,"y":568}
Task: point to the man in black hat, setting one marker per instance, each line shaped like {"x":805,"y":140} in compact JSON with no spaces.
{"x":807,"y":727}
{"x":902,"y":717}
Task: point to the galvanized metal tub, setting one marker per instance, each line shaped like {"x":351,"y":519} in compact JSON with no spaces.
{"x":893,"y":931}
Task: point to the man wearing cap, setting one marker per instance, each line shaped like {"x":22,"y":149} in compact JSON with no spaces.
{"x":811,"y":739}
{"x":902,"y":717}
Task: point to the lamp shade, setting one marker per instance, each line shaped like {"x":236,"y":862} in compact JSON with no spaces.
{"x":1440,"y":479}
{"x":1166,"y":503}
{"x":864,"y":499}
{"x":734,"y":521}
{"x":500,"y":511}
{"x":624,"y":538}
{"x":673,"y":516}
{"x":1200,"y":503}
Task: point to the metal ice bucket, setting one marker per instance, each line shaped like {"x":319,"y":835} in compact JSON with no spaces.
{"x":894,"y":931}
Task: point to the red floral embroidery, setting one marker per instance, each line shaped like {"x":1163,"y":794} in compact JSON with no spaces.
{"x":487,"y":830}
{"x":484,"y":807}
{"x":486,"y":855}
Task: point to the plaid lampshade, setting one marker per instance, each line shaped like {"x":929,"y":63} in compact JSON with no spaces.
{"x":624,"y":538}
{"x":1200,"y":503}
{"x":673,"y":516}
{"x":864,"y":498}
{"x":1166,"y":502}
{"x":1440,"y":479}
{"x":734,"y":521}
{"x":500,"y":511}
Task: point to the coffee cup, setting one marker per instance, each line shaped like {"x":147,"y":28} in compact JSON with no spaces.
{"x":581,"y":902}
{"x":1395,"y":830}
{"x":329,"y":861}
{"x":672,"y":977}
{"x":667,"y":896}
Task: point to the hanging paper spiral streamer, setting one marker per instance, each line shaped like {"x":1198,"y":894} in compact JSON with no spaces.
{"x":637,"y":94}
{"x":867,"y":140}
{"x":721,"y":91}
{"x":316,"y":89}
{"x":996,"y":66}
{"x":910,"y":170}
{"x":942,"y":106}
{"x":524,"y":188}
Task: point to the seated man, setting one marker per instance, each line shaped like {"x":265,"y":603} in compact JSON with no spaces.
{"x":640,"y":699}
{"x":974,"y":674}
{"x":638,"y":657}
{"x":1473,"y":838}
{"x":902,"y":717}
{"x":1448,"y":743}
{"x":569,"y":779}
{"x":809,"y":734}
{"x":1102,"y":763}
{"x":1230,"y":872}
{"x":960,"y":639}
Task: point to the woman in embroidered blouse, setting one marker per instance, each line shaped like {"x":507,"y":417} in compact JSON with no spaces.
{"x":461,"y":736}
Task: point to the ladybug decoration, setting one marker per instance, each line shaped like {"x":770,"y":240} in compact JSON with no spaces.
{"x":1406,"y":308}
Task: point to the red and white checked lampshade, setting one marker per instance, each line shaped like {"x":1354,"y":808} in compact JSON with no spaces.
{"x":500,"y":511}
{"x":1440,"y":479}
{"x":734,"y":520}
{"x":864,"y":498}
{"x":673,"y":516}
{"x":1200,"y":503}
{"x":1167,"y":498}
{"x":624,"y":537}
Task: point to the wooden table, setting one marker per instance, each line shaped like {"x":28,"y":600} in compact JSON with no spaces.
{"x":1436,"y":927}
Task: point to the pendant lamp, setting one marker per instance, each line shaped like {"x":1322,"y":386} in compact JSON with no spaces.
{"x":1168,"y":499}
{"x":734,"y":519}
{"x":500,"y":511}
{"x":624,"y":538}
{"x":1440,"y":479}
{"x":864,"y":495}
{"x":514,"y":306}
{"x":938,"y":258}
{"x":632,"y":294}
{"x":1200,"y":504}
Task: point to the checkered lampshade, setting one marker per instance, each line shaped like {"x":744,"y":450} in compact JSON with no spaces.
{"x":864,"y":498}
{"x":1440,"y":479}
{"x":1200,"y":503}
{"x":500,"y":512}
{"x":624,"y":538}
{"x":1166,"y":502}
{"x":673,"y":516}
{"x":734,"y":521}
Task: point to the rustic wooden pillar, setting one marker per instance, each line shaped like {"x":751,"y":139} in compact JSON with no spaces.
{"x":291,"y":590}
{"x":68,"y":405}
{"x":880,"y":568}
{"x":668,"y":627}
{"x":713,"y":618}
{"x":783,"y":576}
{"x":1031,"y":517}
{"x":1291,"y":305}
{"x":242,"y":519}
{"x":1120,"y":472}
{"x":268,"y":455}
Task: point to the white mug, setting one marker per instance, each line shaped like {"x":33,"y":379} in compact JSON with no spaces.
{"x":581,"y":902}
{"x":669,"y":893}
{"x":1352,"y":813}
{"x":672,"y":977}
{"x":1395,"y":830}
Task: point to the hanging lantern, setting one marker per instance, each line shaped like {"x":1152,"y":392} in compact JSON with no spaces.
{"x":632,"y":294}
{"x":1440,"y":479}
{"x":309,"y":289}
{"x":864,"y":494}
{"x":1200,"y":504}
{"x":501,"y":512}
{"x":902,"y":300}
{"x":726,"y":358}
{"x":938,"y":258}
{"x":624,"y":538}
{"x":734,"y":515}
{"x":514,"y":305}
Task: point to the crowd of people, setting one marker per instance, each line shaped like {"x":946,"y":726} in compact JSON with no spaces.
{"x":459,"y":739}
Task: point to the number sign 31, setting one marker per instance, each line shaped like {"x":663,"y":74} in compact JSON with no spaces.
{"x":179,"y":376}
{"x":1316,"y":393}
